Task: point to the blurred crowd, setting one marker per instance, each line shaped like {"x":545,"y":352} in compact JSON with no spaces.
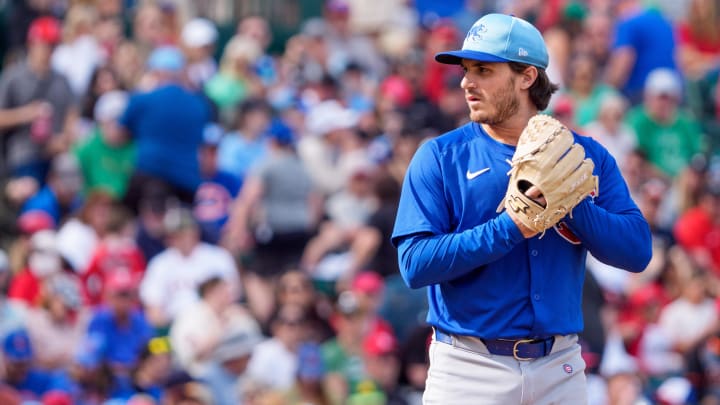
{"x":192,"y":214}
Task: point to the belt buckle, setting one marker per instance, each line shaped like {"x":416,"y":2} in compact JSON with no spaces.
{"x":515,"y":349}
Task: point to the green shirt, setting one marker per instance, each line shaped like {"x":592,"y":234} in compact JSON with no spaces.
{"x":668,"y":146}
{"x":105,"y":167}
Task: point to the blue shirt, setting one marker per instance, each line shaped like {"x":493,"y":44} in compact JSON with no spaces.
{"x":38,"y":382}
{"x":237,"y":154}
{"x":167,"y":125}
{"x":119,"y":344}
{"x":652,"y":39}
{"x":485,"y":279}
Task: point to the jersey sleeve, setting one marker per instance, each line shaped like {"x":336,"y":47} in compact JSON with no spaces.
{"x":610,"y":225}
{"x":429,"y":251}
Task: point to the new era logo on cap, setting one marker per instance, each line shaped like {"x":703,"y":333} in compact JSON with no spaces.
{"x":500,"y":38}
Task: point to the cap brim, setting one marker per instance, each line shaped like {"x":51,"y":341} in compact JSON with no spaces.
{"x":455,"y":57}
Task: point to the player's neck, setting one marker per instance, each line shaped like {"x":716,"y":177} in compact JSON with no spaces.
{"x":508,"y":131}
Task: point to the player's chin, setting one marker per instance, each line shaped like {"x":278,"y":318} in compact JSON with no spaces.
{"x":481,"y":116}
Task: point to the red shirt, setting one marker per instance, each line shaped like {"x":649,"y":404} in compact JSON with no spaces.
{"x":108,"y":257}
{"x":25,"y":286}
{"x":686,"y":37}
{"x":695,"y":231}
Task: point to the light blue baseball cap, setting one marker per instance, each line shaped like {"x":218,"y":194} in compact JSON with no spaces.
{"x":500,"y":38}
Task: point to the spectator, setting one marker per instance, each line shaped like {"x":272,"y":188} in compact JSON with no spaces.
{"x":585,"y":90}
{"x":257,"y":28}
{"x":104,"y":79}
{"x":348,"y":211}
{"x":58,"y":323}
{"x":59,"y":197}
{"x":382,"y":364}
{"x":43,"y":261}
{"x":308,"y":384}
{"x":117,"y":333}
{"x":698,"y":228}
{"x":241,"y":149}
{"x":170,"y":284}
{"x":610,"y":129}
{"x":166,"y":124}
{"x":228,"y":365}
{"x":274,"y":362}
{"x":296,"y":288}
{"x":644,"y":41}
{"x":698,"y":48}
{"x":342,"y":355}
{"x":39,"y":118}
{"x":273,"y":218}
{"x":79,"y":235}
{"x":21,"y":372}
{"x":79,"y":53}
{"x":107,"y":156}
{"x":153,"y":368}
{"x":236,"y":81}
{"x":116,"y":251}
{"x":668,"y":134}
{"x":198,"y":37}
{"x":214,"y":196}
{"x":330,"y":150}
{"x":197,"y":332}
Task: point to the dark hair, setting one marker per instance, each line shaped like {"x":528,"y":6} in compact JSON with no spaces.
{"x":208,"y":285}
{"x":541,"y":90}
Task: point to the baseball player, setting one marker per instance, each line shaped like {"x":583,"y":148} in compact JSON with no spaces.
{"x":505,"y":288}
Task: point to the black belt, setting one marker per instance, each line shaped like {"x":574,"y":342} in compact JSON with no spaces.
{"x":521,"y":349}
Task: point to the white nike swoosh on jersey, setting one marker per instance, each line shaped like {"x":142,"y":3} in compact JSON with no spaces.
{"x":471,"y":175}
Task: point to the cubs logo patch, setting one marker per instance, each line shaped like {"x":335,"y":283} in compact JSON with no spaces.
{"x":475,"y":33}
{"x":564,"y":231}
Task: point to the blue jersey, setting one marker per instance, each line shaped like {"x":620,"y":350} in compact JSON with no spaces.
{"x":485,"y":279}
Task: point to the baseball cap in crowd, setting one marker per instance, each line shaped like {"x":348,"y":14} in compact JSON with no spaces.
{"x":212,"y":134}
{"x":500,"y":38}
{"x":34,"y":221}
{"x":168,"y":58}
{"x":56,"y":397}
{"x":199,"y":32}
{"x":663,"y":81}
{"x":121,"y":281}
{"x":110,"y":106}
{"x":280,"y":132}
{"x":236,"y":345}
{"x":368,"y":282}
{"x":329,"y":116}
{"x":380,"y":342}
{"x":17,"y":347}
{"x":177,"y":219}
{"x":347,"y":303}
{"x":45,"y":29}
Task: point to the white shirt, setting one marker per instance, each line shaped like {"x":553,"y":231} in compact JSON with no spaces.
{"x":684,"y":321}
{"x":171,"y":280}
{"x":77,"y":61}
{"x":273,"y":364}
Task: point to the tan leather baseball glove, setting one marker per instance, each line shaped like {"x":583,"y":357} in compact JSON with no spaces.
{"x":548,"y":158}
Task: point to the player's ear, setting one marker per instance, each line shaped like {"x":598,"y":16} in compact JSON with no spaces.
{"x":528,"y":77}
